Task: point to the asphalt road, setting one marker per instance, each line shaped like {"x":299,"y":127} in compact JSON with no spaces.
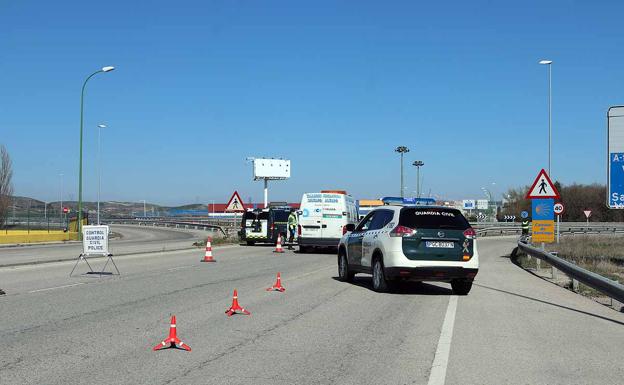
{"x":513,"y":328}
{"x":135,"y":239}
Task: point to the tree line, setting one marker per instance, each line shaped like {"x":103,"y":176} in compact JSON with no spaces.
{"x":6,"y":185}
{"x":575,"y":197}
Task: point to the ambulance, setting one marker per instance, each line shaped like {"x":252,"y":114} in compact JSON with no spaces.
{"x":323,"y":218}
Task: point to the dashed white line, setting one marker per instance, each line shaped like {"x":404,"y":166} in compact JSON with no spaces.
{"x":180,"y":267}
{"x":56,"y":287}
{"x":440,"y":361}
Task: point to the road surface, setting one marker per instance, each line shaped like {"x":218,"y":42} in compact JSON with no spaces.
{"x":513,"y":328}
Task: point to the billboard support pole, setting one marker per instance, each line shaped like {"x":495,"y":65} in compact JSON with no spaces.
{"x":266,"y":193}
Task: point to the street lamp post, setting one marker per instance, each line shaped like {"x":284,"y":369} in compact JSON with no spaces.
{"x":549,"y":64}
{"x":100,"y":126}
{"x":79,"y":223}
{"x":418,"y":164}
{"x":401,"y":150}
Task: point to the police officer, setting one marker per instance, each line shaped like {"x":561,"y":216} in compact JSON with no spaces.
{"x":292,"y":225}
{"x":525,"y":226}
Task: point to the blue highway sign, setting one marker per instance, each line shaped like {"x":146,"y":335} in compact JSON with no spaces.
{"x":616,"y":180}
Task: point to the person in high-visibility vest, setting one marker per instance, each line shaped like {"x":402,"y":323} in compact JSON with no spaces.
{"x":525,"y":226}
{"x":292,"y":226}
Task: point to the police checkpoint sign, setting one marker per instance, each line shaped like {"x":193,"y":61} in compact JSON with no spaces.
{"x":95,"y":240}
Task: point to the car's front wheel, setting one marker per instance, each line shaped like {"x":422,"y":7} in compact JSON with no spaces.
{"x":343,"y":268}
{"x":380,"y":283}
{"x":461,"y":286}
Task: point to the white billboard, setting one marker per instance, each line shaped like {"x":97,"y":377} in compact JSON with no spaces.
{"x":271,"y":168}
{"x":482,"y":204}
{"x":469,"y":204}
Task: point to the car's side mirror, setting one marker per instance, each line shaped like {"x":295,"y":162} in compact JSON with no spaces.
{"x":350,"y":227}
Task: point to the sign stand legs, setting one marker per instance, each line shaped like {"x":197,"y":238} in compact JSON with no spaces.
{"x":91,"y":271}
{"x":110,"y":258}
{"x":81,"y":257}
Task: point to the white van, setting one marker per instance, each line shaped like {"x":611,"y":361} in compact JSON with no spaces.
{"x":322,"y":218}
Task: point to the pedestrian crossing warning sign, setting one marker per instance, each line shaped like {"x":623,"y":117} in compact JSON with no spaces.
{"x":542,"y":187}
{"x":235,"y":204}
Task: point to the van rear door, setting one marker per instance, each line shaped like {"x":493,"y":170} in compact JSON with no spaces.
{"x":311,"y":216}
{"x":334,"y":215}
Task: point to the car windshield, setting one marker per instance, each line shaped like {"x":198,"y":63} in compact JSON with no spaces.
{"x":433,"y":218}
{"x":280,"y":215}
{"x":252,"y":215}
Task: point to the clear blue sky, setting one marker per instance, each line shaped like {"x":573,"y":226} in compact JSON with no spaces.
{"x":333,"y":85}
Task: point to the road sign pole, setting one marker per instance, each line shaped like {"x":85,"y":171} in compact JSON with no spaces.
{"x":558,"y":216}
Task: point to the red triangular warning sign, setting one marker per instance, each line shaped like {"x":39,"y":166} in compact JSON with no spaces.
{"x":542,"y":187}
{"x":235,"y":204}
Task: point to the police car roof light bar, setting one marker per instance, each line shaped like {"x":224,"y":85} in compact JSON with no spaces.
{"x":398,"y":201}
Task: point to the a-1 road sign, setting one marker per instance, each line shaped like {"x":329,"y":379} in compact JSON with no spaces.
{"x":615,"y":160}
{"x":559,"y":208}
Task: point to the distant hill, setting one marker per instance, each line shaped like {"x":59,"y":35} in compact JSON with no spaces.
{"x":25,"y":206}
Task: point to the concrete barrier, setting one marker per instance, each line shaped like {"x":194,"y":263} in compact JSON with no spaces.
{"x":36,"y":236}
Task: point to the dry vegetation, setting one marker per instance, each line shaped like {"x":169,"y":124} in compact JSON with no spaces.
{"x":575,"y":197}
{"x":6,"y":188}
{"x":602,"y":254}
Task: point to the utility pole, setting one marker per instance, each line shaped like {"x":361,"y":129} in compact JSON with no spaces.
{"x":549,"y":64}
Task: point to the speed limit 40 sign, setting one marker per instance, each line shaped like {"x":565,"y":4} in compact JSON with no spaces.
{"x":558,"y":208}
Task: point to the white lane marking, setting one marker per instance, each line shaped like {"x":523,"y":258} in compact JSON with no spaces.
{"x":56,"y":287}
{"x":180,"y":267}
{"x":440,"y":361}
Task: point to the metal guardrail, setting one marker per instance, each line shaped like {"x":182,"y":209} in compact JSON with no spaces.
{"x":604,"y":285}
{"x":587,"y":229}
{"x":173,"y":224}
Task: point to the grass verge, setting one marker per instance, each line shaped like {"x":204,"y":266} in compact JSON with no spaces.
{"x":601,"y":254}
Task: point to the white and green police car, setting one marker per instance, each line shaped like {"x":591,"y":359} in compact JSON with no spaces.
{"x":403,"y":242}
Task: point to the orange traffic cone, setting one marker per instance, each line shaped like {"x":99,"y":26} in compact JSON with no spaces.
{"x":208,"y":255}
{"x":236,"y":308}
{"x":173,"y":341}
{"x":278,"y":285}
{"x":278,"y":245}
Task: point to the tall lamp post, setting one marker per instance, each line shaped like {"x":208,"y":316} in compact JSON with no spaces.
{"x":401,"y":150}
{"x":99,"y":159}
{"x":79,"y":224}
{"x":418,"y":164}
{"x":549,"y":64}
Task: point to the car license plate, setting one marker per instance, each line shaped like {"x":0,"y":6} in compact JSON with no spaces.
{"x":440,"y":245}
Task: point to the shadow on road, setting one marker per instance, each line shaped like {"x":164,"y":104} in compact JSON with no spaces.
{"x":550,"y":303}
{"x":410,"y":288}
